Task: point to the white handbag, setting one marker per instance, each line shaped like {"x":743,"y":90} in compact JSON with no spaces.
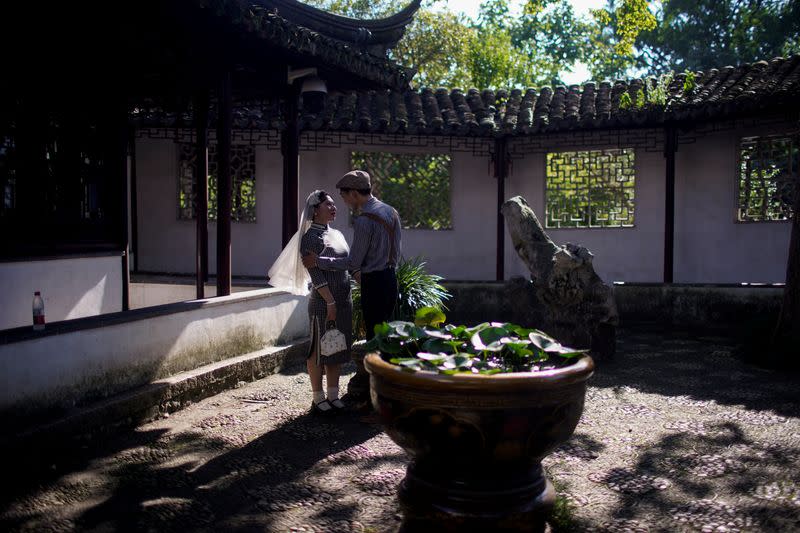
{"x":332,"y":341}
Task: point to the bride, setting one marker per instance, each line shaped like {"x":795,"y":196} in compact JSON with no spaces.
{"x":329,"y":299}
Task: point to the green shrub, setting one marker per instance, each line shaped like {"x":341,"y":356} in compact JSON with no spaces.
{"x":658,"y":94}
{"x":640,"y":99}
{"x":418,"y":289}
{"x":689,"y":84}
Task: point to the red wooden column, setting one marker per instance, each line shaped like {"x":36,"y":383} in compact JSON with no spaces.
{"x":290,"y":148}
{"x":224,"y":185}
{"x":201,"y":197}
{"x":670,"y":147}
{"x":134,"y":203}
{"x":120,"y":162}
{"x":501,"y":164}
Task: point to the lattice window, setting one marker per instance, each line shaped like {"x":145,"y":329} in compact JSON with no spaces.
{"x":8,"y":175}
{"x":768,"y":168}
{"x":92,"y":177}
{"x":590,"y":189}
{"x":243,"y":176}
{"x":417,"y":185}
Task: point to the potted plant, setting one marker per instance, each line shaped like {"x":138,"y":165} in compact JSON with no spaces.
{"x":417,"y":289}
{"x":477,"y":409}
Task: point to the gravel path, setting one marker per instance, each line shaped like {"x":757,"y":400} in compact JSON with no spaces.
{"x":676,"y":436}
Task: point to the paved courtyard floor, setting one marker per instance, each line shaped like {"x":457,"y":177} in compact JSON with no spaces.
{"x":677,"y":436}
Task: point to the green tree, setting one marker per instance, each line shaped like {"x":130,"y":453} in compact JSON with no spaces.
{"x":612,"y":36}
{"x":493,"y":62}
{"x":552,"y":38}
{"x":501,"y":50}
{"x":360,"y":9}
{"x":698,"y":34}
{"x":436,"y":43}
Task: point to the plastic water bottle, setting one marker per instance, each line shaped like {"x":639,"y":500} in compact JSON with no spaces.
{"x":38,"y":311}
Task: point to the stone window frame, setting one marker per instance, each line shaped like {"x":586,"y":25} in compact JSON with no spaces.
{"x":794,"y":139}
{"x":633,"y":187}
{"x":242,"y":153}
{"x":448,"y":226}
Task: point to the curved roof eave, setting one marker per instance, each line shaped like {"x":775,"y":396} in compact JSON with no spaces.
{"x":385,"y":31}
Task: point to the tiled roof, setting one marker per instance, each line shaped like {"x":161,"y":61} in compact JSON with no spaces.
{"x":764,"y":86}
{"x":728,"y":91}
{"x":377,"y":35}
{"x":267,"y":25}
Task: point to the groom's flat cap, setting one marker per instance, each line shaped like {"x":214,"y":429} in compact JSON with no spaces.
{"x":355,"y":179}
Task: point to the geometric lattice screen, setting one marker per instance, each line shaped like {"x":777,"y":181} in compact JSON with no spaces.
{"x":590,"y":189}
{"x":8,"y":176}
{"x":243,"y":176}
{"x":768,"y":167}
{"x":417,"y":185}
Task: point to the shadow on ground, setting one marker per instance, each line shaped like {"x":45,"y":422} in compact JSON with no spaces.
{"x":677,"y":434}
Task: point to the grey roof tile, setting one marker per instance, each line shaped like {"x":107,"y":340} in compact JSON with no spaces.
{"x":718,"y":93}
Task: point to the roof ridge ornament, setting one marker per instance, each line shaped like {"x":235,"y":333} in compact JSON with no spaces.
{"x":363,"y":36}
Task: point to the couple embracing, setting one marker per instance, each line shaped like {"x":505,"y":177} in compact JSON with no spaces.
{"x":318,"y":259}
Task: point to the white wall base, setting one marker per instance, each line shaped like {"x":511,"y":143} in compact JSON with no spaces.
{"x":116,"y":352}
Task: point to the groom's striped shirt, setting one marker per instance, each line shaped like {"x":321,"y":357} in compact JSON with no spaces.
{"x":371,"y":245}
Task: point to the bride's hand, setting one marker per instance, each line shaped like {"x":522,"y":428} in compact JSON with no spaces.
{"x":310,"y":260}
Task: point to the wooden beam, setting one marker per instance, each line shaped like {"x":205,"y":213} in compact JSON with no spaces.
{"x":201,"y":196}
{"x":224,"y":185}
{"x":501,"y":164}
{"x":120,"y":162}
{"x":670,"y":147}
{"x":290,"y":148}
{"x":134,"y":203}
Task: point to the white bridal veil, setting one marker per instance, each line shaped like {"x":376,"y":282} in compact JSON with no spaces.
{"x":288,"y":272}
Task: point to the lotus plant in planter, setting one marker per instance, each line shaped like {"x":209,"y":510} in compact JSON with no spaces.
{"x":477,"y":409}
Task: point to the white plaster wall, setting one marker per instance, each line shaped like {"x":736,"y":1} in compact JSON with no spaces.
{"x":620,"y":254}
{"x":71,"y":288}
{"x":167,"y":244}
{"x":710,"y":246}
{"x":58,"y":367}
{"x":150,"y":294}
{"x":465,"y":252}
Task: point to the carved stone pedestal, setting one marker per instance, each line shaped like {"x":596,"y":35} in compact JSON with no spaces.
{"x":476,"y":500}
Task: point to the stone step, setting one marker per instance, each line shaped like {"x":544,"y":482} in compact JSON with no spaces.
{"x":151,"y":401}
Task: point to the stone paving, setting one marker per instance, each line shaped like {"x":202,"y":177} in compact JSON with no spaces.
{"x":677,"y":435}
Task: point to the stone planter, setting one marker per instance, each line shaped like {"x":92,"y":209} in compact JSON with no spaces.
{"x":476,"y":442}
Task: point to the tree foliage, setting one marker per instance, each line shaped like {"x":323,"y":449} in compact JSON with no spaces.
{"x":699,"y":34}
{"x":523,"y":43}
{"x":497,"y":50}
{"x":613,"y":34}
{"x":552,"y":38}
{"x":436,"y":44}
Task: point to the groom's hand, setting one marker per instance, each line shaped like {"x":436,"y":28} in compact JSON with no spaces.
{"x":310,"y":260}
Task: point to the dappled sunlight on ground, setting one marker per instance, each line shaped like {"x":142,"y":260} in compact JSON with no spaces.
{"x":676,"y":435}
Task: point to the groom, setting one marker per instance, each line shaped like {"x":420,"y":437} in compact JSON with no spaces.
{"x":372,"y":260}
{"x":374,"y":253}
